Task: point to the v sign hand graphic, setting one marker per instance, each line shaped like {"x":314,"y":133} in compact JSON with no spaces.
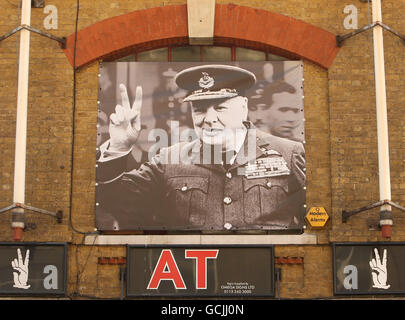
{"x":125,"y":123}
{"x":21,"y":268}
{"x":379,"y":270}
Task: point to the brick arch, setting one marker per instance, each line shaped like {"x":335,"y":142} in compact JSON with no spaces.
{"x":234,"y":25}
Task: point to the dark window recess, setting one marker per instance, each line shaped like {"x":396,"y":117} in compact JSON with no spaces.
{"x":201,"y":53}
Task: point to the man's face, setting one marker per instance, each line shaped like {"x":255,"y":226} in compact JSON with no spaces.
{"x":217,"y":121}
{"x":281,"y":118}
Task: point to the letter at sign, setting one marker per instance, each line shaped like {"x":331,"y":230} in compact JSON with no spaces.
{"x":51,"y":20}
{"x":350,"y":22}
{"x":201,"y":265}
{"x":51,"y":280}
{"x":166,"y":269}
{"x":351,"y":281}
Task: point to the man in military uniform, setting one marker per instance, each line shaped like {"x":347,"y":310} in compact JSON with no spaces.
{"x":240,"y":187}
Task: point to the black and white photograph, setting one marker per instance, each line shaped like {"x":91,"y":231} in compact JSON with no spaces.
{"x":195,"y":146}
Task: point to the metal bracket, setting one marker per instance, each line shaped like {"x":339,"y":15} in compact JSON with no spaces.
{"x":62,"y":41}
{"x":340,"y":39}
{"x":37,"y":3}
{"x":123,"y":276}
{"x":58,"y":215}
{"x":347,"y":214}
{"x":277,"y":276}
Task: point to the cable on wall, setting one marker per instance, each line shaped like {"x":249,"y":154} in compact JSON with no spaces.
{"x":73,"y":128}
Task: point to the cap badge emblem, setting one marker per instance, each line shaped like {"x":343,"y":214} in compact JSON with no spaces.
{"x":206,"y":81}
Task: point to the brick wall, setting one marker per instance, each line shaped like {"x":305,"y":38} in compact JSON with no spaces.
{"x":341,"y":143}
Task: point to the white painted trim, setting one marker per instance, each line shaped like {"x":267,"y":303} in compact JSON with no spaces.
{"x":201,"y":16}
{"x":200,"y":239}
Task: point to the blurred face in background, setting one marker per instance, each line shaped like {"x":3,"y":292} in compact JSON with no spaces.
{"x":281,"y":118}
{"x":284,"y":114}
{"x":148,"y":123}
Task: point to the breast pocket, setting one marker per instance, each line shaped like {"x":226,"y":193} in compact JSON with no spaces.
{"x":187,"y":196}
{"x":262,"y":196}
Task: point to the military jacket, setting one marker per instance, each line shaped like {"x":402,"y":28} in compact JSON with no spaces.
{"x":263,"y":190}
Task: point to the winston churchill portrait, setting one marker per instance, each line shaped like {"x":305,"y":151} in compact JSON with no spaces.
{"x":222,"y":174}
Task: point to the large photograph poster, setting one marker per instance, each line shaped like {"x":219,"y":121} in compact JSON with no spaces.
{"x":200,"y":146}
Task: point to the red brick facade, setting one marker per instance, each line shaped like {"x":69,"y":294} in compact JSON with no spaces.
{"x":234,"y":25}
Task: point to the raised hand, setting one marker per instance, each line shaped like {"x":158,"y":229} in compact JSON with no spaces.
{"x":379,"y":270}
{"x":125,"y":123}
{"x":21,"y":268}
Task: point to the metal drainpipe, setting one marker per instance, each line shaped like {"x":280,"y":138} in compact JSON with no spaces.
{"x":382,"y":122}
{"x":17,"y":223}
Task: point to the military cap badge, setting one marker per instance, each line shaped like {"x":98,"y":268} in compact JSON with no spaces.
{"x":206,"y":81}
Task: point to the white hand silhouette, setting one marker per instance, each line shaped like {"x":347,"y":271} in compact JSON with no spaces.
{"x":379,"y":270}
{"x":125,"y":123}
{"x":21,"y":276}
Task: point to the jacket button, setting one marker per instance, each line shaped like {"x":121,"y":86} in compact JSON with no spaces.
{"x":268,"y":184}
{"x":184,"y":188}
{"x":227,"y":226}
{"x":228,"y":175}
{"x":227,"y":200}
